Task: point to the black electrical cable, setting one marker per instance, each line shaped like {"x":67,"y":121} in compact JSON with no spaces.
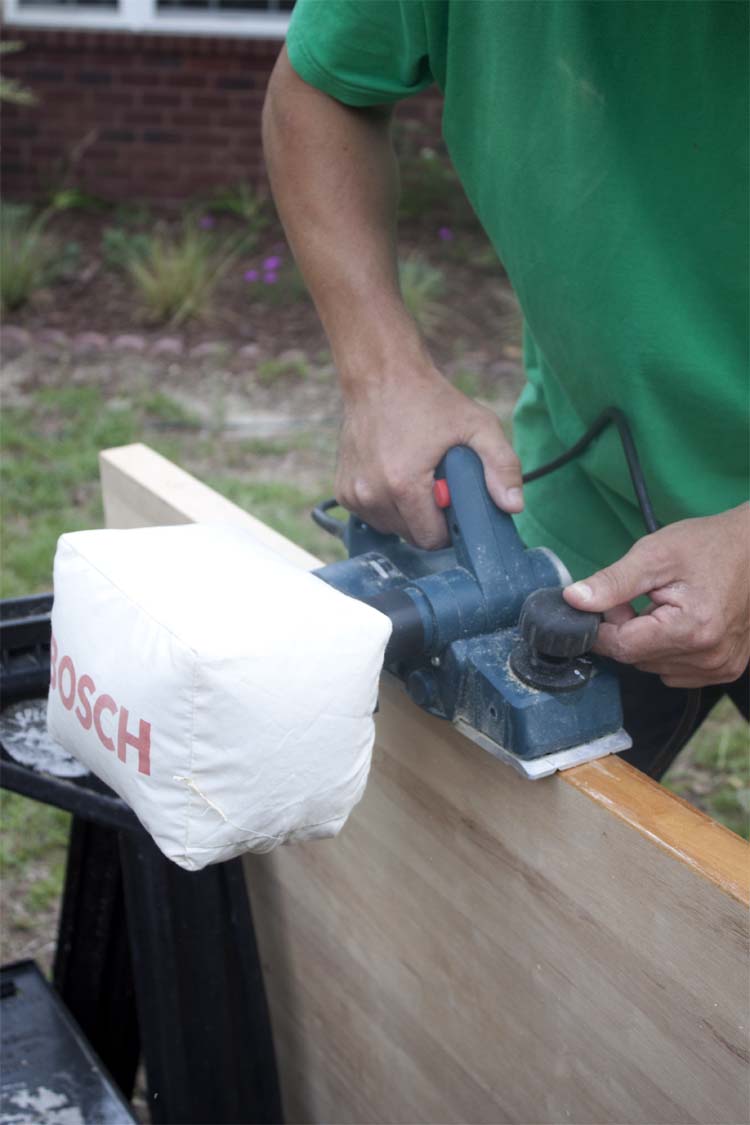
{"x":614,"y":416}
{"x":611,"y":416}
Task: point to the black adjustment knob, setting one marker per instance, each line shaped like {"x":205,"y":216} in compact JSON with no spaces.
{"x":555,"y":629}
{"x":549,"y":654}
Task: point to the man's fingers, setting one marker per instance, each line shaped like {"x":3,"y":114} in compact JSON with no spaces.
{"x":423,"y":521}
{"x":641,"y":570}
{"x":502,"y":469}
{"x":641,"y":639}
{"x":383,"y":519}
{"x":620,"y":614}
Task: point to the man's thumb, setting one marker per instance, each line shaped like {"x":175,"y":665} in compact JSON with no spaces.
{"x":621,"y":582}
{"x":502,"y":472}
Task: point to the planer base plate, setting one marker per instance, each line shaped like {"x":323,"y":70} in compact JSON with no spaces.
{"x":535,"y":768}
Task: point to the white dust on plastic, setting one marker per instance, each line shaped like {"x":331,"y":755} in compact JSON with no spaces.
{"x":23,"y":733}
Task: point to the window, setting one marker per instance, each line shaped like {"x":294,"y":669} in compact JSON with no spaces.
{"x":262,"y":19}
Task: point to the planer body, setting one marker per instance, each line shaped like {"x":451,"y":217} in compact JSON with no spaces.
{"x":481,"y":635}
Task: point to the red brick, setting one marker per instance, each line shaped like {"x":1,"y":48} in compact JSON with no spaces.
{"x":211,"y":139}
{"x":114,"y":98}
{"x":212,"y":102}
{"x":141,"y":78}
{"x":163,"y":101}
{"x":154,"y":118}
{"x":191,"y":120}
{"x":243,"y":122}
{"x":210,"y":63}
{"x":252,"y":103}
{"x":186,"y":81}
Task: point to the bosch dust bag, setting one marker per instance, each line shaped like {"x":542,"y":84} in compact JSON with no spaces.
{"x":226,"y":695}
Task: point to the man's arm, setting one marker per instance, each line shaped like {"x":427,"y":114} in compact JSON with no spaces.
{"x":335,"y":181}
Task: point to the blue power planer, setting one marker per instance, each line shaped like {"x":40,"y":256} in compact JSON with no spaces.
{"x":482,"y":635}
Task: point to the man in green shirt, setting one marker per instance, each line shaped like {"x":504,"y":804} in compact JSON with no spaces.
{"x":604,"y":149}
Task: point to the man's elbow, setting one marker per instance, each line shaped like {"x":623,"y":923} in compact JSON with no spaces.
{"x":277,"y":100}
{"x":290,"y":102}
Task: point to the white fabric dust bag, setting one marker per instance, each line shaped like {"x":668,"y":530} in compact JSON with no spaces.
{"x":226,"y":695}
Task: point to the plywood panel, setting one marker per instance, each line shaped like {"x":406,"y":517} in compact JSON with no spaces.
{"x":478,"y":948}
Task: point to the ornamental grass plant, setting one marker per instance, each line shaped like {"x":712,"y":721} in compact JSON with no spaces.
{"x":175,"y":274}
{"x":28,"y":254}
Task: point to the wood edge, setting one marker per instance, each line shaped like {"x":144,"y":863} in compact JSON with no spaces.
{"x":667,"y":820}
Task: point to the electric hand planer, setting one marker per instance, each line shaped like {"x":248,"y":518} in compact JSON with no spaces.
{"x":482,"y":635}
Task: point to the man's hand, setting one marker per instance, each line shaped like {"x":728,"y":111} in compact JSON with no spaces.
{"x":697,"y":574}
{"x":396,"y":430}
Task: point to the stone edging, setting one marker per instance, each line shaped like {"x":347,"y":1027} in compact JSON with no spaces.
{"x":15,"y":341}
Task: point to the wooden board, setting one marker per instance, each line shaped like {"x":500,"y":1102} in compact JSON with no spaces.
{"x":478,"y":948}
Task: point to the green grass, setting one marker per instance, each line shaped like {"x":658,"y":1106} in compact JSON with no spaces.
{"x":33,"y":841}
{"x":713,"y":772}
{"x":49,"y":473}
{"x":283,"y":507}
{"x":48,"y":476}
{"x":422,"y":284}
{"x":271,"y":370}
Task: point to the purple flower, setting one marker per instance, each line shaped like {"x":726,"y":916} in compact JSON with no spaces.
{"x":206,"y":222}
{"x":251,"y":275}
{"x":272,"y":264}
{"x":445,"y":234}
{"x":271,"y":278}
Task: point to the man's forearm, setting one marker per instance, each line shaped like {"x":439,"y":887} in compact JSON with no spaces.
{"x":335,"y":181}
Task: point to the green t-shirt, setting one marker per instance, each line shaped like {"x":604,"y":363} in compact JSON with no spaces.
{"x":604,"y":148}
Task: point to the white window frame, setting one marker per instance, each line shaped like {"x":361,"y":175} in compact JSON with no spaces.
{"x":143,"y":15}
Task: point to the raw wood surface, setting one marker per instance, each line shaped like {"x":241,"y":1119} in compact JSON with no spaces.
{"x":478,"y":948}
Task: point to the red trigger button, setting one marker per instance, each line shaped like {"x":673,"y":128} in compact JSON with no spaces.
{"x":442,"y":494}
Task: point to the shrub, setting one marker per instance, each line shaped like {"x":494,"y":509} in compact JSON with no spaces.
{"x":10,"y":89}
{"x":244,"y":202}
{"x":430,"y":187}
{"x":28,"y":255}
{"x":75,"y":199}
{"x":120,"y":247}
{"x":421,"y":286}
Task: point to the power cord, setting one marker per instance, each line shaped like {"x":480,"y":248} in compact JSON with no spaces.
{"x":615,"y":417}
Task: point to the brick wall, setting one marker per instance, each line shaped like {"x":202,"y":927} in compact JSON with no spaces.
{"x":131,"y":116}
